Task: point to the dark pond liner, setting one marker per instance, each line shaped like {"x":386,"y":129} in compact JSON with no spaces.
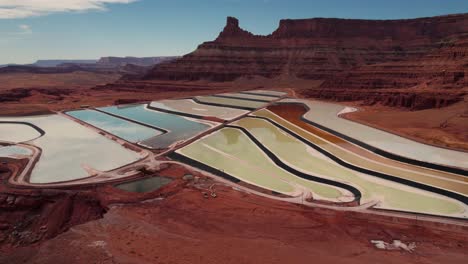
{"x":161,"y":141}
{"x":422,"y":186}
{"x":224,"y":105}
{"x":164,"y":131}
{"x":38,"y":129}
{"x":202,"y":166}
{"x":254,"y":93}
{"x":240,"y":98}
{"x":357,"y":194}
{"x":383,"y":152}
{"x":175,"y":112}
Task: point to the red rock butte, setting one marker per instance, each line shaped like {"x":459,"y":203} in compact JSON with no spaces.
{"x":370,"y":56}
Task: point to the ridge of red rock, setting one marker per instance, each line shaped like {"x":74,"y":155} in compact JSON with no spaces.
{"x":346,"y":54}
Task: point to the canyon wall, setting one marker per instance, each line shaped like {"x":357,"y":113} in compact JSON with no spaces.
{"x":350,"y":56}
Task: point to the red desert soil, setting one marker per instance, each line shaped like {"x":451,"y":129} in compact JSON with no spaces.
{"x":176,"y":224}
{"x":79,"y":79}
{"x":184,"y":227}
{"x":446,"y":127}
{"x":29,"y":101}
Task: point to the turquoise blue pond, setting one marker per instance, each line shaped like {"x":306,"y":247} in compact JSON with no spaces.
{"x":127,"y":130}
{"x":179,"y":128}
{"x":12,"y":151}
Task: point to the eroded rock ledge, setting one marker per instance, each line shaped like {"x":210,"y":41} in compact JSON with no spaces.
{"x":345,"y":54}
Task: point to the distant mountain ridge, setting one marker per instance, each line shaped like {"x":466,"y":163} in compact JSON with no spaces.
{"x":109,"y":61}
{"x":144,"y":61}
{"x":128,"y":67}
{"x":55,"y":63}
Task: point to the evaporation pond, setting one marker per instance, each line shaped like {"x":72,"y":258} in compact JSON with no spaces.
{"x":188,"y":106}
{"x":15,"y":132}
{"x":122,"y":128}
{"x":177,"y":127}
{"x":13,"y":151}
{"x":71,"y":151}
{"x":145,"y":185}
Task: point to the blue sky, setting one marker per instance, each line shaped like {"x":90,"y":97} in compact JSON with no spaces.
{"x":88,"y":29}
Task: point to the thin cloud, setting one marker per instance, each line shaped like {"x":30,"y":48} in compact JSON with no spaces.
{"x":25,"y":29}
{"x":22,"y":31}
{"x":11,"y":9}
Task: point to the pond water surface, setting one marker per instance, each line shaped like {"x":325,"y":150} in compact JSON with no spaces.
{"x":188,"y":106}
{"x":69,"y":149}
{"x":249,"y":96}
{"x":178,"y":127}
{"x":392,"y":195}
{"x":229,"y":102}
{"x":326,"y":114}
{"x":145,"y":185}
{"x":17,"y":133}
{"x":127,"y":130}
{"x":266,"y":93}
{"x":231,"y":151}
{"x":14,"y":151}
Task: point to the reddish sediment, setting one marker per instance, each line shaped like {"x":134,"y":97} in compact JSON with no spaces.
{"x":104,"y":224}
{"x":445,"y":127}
{"x":179,"y":225}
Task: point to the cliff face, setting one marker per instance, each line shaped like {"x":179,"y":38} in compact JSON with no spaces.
{"x":347,"y":54}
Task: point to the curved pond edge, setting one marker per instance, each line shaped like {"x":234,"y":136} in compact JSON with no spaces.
{"x":379,"y":151}
{"x":356,"y":193}
{"x":343,"y":163}
{"x":38,"y":129}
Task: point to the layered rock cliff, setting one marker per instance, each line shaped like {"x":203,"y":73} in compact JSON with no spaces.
{"x":346,"y":54}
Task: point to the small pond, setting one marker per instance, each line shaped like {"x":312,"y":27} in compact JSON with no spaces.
{"x":145,"y":185}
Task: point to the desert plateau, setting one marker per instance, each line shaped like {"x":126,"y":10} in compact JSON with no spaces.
{"x":328,"y":140}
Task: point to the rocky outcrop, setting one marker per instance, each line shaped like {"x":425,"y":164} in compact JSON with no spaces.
{"x":316,"y":48}
{"x":17,"y":94}
{"x":14,"y":95}
{"x":30,"y":216}
{"x":344,"y":54}
{"x":442,"y":67}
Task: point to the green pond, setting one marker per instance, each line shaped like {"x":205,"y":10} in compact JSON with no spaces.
{"x":231,"y":151}
{"x":391,"y":195}
{"x":145,"y":185}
